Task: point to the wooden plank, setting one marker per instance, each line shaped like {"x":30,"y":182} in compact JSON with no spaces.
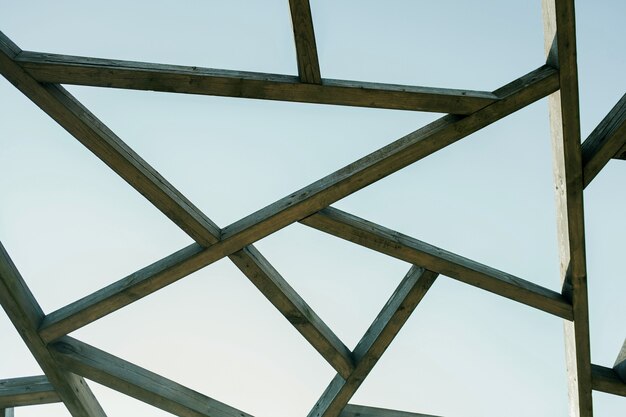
{"x":250,"y":261}
{"x":304,"y":36}
{"x":605,"y":142}
{"x":606,"y":380}
{"x":30,"y":390}
{"x":64,"y":69}
{"x":25,"y":314}
{"x":620,"y":363}
{"x":560,"y":36}
{"x":302,"y":203}
{"x":375,"y":341}
{"x":137,"y":382}
{"x":392,"y":243}
{"x":91,"y":132}
{"x":353,"y":410}
{"x":621,"y":154}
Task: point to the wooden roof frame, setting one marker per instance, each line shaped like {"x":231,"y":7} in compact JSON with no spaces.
{"x":66,"y":361}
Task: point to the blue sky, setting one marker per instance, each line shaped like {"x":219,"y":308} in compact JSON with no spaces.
{"x":72,"y":226}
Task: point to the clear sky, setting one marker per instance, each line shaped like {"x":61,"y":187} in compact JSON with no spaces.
{"x":72,"y":226}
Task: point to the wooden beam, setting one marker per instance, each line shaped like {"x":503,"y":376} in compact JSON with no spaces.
{"x":620,"y":363}
{"x":605,"y":142}
{"x":392,"y":243}
{"x":302,"y":203}
{"x":25,"y":314}
{"x":353,"y":410}
{"x":375,"y":341}
{"x":606,"y":380}
{"x":137,"y":382}
{"x":621,"y":154}
{"x":304,"y":36}
{"x":560,"y":42}
{"x":31,"y":390}
{"x":64,"y":69}
{"x":91,"y":132}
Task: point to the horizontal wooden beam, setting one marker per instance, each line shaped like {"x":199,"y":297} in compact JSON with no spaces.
{"x":26,"y":314}
{"x":392,"y":243}
{"x":64,"y":69}
{"x":308,"y":200}
{"x":605,"y":142}
{"x":304,"y":36}
{"x":607,"y":380}
{"x":30,"y":390}
{"x":375,"y":341}
{"x":137,"y":382}
{"x":353,"y":410}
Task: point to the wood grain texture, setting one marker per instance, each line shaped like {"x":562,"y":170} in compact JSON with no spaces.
{"x":392,"y":243}
{"x":353,"y":410}
{"x":620,"y":363}
{"x":65,"y":69}
{"x":25,"y":314}
{"x":560,"y":33}
{"x":606,"y":380}
{"x":605,"y":142}
{"x":302,"y":203}
{"x":376,"y":340}
{"x":137,"y":382}
{"x":30,"y":390}
{"x":304,"y":36}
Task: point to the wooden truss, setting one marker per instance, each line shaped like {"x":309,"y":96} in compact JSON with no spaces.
{"x":66,"y":361}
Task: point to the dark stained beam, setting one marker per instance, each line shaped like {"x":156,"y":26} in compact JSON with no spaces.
{"x":63,"y":69}
{"x":304,"y":36}
{"x":30,"y":390}
{"x":606,"y":380}
{"x":376,"y":340}
{"x":353,"y":410}
{"x":605,"y":142}
{"x":392,"y":243}
{"x":621,"y":154}
{"x":302,"y":203}
{"x":560,"y":43}
{"x":137,"y":382}
{"x":25,"y":314}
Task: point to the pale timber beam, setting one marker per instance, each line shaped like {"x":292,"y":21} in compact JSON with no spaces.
{"x":620,"y":363}
{"x":296,"y":206}
{"x":353,"y":410}
{"x":304,"y":36}
{"x":376,"y":340}
{"x":137,"y":382}
{"x":98,"y":72}
{"x":607,"y":380}
{"x":7,"y":412}
{"x":25,"y":314}
{"x":605,"y":142}
{"x":560,"y":43}
{"x":31,"y":390}
{"x":408,"y":249}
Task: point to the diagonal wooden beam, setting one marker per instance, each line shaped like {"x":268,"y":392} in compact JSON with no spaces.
{"x":560,"y":43}
{"x":98,"y":72}
{"x":298,"y":205}
{"x":25,"y":314}
{"x":304,"y":36}
{"x":353,"y":410}
{"x":605,"y":142}
{"x":620,"y":363}
{"x":137,"y":382}
{"x":621,"y":154}
{"x":30,"y":390}
{"x":375,"y":341}
{"x":607,"y":380}
{"x":392,"y":243}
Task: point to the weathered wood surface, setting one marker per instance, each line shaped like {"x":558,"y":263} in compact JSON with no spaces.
{"x":25,"y":314}
{"x":137,"y":382}
{"x":607,"y":380}
{"x":605,"y":142}
{"x":392,"y":243}
{"x":308,"y":200}
{"x":304,"y":36}
{"x":621,"y":154}
{"x":376,"y":340}
{"x":620,"y":363}
{"x":64,"y":69}
{"x":30,"y":390}
{"x":353,"y":410}
{"x":560,"y":42}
